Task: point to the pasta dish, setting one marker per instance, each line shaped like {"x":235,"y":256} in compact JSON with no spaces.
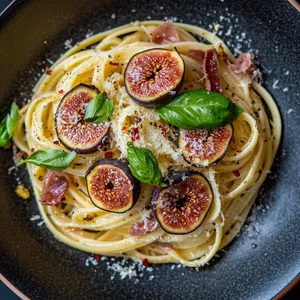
{"x":144,"y":142}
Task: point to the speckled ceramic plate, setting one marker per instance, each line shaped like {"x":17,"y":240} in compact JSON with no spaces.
{"x":261,"y":261}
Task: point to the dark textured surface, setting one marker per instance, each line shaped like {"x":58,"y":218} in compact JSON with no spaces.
{"x":43,"y":268}
{"x":5,"y":292}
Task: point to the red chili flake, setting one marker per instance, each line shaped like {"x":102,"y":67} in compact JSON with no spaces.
{"x":32,"y":149}
{"x":163,"y":131}
{"x":190,"y":157}
{"x":48,"y":71}
{"x":145,"y":263}
{"x":236,"y":173}
{"x":97,"y":257}
{"x":113,"y":63}
{"x":233,"y":94}
{"x":123,"y":128}
{"x":135,"y":135}
{"x":108,"y":154}
{"x":61,"y":91}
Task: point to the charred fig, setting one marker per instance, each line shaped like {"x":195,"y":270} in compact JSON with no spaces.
{"x":204,"y":147}
{"x":71,"y":129}
{"x":182,"y":207}
{"x":154,"y":76}
{"x":111,"y":185}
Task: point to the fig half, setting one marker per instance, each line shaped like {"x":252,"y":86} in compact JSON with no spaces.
{"x":154,"y":76}
{"x":71,"y":129}
{"x":205,"y":147}
{"x":182,"y":207}
{"x":111,"y":185}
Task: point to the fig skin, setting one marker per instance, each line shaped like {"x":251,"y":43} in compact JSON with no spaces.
{"x":173,"y":179}
{"x":87,"y":150}
{"x":124,"y":168}
{"x":163,"y":98}
{"x":219,"y":156}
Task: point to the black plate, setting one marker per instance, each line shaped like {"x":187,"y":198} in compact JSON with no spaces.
{"x":44,"y":268}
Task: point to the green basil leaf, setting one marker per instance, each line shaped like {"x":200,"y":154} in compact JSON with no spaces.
{"x":8,"y":125}
{"x":200,"y":109}
{"x":99,"y":109}
{"x":12,"y":119}
{"x":52,"y":159}
{"x":143,"y":165}
{"x":4,"y":137}
{"x":4,"y":142}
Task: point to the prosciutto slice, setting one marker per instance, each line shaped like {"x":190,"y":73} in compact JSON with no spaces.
{"x":54,"y":188}
{"x":165,"y":33}
{"x":242,"y":64}
{"x":200,"y":54}
{"x":210,"y":68}
{"x":146,"y":226}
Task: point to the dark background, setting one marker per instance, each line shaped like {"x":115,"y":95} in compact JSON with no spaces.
{"x":7,"y":294}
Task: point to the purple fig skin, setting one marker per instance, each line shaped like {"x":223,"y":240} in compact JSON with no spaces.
{"x":174,"y":178}
{"x":125,"y":168}
{"x":88,"y":150}
{"x":155,"y":193}
{"x":161,"y":100}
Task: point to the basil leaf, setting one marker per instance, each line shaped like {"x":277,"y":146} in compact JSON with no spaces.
{"x":99,"y":109}
{"x":8,"y":125}
{"x":200,"y":109}
{"x":143,"y":165}
{"x":12,"y":119}
{"x":4,"y":137}
{"x":52,"y":159}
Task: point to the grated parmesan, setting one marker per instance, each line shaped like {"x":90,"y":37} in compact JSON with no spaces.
{"x":275,"y":86}
{"x":124,"y":269}
{"x":35,"y":217}
{"x":68,"y":44}
{"x":149,"y":127}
